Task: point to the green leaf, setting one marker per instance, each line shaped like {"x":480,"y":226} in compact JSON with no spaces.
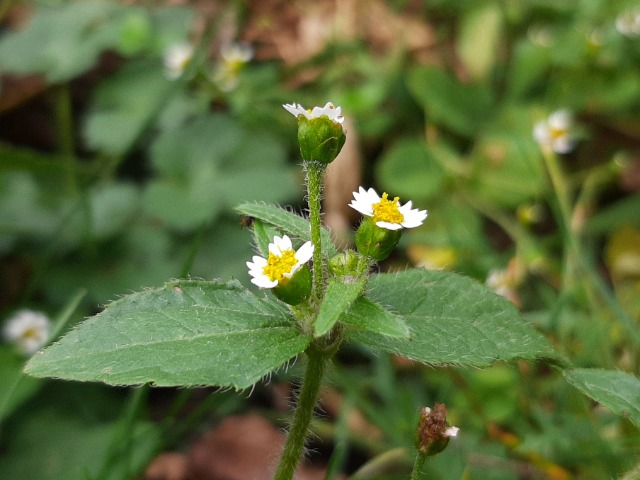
{"x":479,"y":38}
{"x":337,"y":299}
{"x":263,"y":234}
{"x":125,"y":105}
{"x":410,"y":170}
{"x":288,"y":223}
{"x":184,"y":334}
{"x":453,"y":320}
{"x":462,"y":108}
{"x":15,"y":388}
{"x":367,"y":315}
{"x":64,"y":42}
{"x":616,"y":390}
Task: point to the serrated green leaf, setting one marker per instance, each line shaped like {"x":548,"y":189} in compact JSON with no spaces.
{"x":453,"y":320}
{"x":367,"y":315}
{"x":618,"y":391}
{"x":337,"y":299}
{"x":183,"y":334}
{"x":288,"y":223}
{"x":263,"y":234}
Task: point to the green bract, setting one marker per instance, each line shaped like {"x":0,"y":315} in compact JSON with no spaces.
{"x":297,"y":289}
{"x":321,"y":139}
{"x":376,"y":242}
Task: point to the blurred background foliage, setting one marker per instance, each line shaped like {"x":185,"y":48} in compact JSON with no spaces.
{"x":115,"y":176}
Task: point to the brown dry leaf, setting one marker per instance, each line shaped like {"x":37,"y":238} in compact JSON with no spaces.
{"x":243,"y":447}
{"x":296,"y":31}
{"x":357,"y":423}
{"x":167,"y":466}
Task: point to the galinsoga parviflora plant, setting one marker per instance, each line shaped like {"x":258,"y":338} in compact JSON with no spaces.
{"x":216,"y":333}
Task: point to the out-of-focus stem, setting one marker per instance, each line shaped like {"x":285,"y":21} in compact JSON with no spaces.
{"x":66,"y":143}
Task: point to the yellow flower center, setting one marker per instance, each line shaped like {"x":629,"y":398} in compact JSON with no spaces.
{"x":31,"y":333}
{"x":277,"y":266}
{"x":556,"y":133}
{"x":387,"y":211}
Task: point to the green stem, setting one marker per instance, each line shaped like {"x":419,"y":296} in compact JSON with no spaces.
{"x":64,"y":123}
{"x":315,"y":176}
{"x":562,"y":195}
{"x":416,"y":474}
{"x":302,"y":417}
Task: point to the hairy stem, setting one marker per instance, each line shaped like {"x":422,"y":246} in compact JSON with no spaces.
{"x":416,"y":474}
{"x":303,"y":414}
{"x":315,"y":175}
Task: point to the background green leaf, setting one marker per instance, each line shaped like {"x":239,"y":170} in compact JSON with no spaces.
{"x":618,"y":391}
{"x":185,"y":333}
{"x":453,"y":320}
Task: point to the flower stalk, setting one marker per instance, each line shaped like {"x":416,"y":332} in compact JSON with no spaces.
{"x":315,"y":175}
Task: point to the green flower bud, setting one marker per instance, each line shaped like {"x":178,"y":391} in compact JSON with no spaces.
{"x":344,"y":264}
{"x":434,"y":432}
{"x":296,"y":289}
{"x":320,"y":139}
{"x":376,"y":242}
{"x":320,"y":132}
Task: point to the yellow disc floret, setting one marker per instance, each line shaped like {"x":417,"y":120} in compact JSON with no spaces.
{"x":387,"y":211}
{"x":279,"y":265}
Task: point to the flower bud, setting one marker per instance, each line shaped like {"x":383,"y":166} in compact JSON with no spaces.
{"x":320,"y":132}
{"x":296,"y":289}
{"x":344,"y":264}
{"x":434,"y":432}
{"x":320,"y":139}
{"x":376,"y":242}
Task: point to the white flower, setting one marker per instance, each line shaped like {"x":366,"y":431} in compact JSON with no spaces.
{"x":451,"y":432}
{"x":501,"y":282}
{"x":329,"y":111}
{"x":628,"y":23}
{"x":176,"y":59}
{"x":237,"y":53}
{"x":387,"y":213}
{"x":282,"y":263}
{"x":28,"y":330}
{"x":555,"y":132}
{"x":233,"y":58}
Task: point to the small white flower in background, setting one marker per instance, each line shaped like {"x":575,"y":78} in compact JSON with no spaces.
{"x":500,"y":282}
{"x":176,"y":59}
{"x":282,"y":263}
{"x":329,"y":111}
{"x":556,"y":132}
{"x":387,"y":213}
{"x":628,"y":23}
{"x":505,"y":282}
{"x":28,"y":330}
{"x":232,"y":58}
